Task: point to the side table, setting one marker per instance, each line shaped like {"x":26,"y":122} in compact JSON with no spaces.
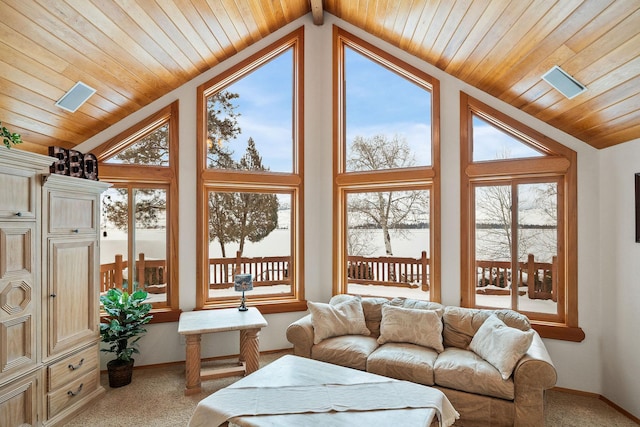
{"x":193,"y":324}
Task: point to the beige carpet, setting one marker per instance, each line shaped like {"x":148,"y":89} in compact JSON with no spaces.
{"x":156,"y":398}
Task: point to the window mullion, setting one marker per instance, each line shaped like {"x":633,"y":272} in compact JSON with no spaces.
{"x":514,"y":245}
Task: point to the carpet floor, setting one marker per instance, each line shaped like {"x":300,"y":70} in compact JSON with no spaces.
{"x":156,"y":398}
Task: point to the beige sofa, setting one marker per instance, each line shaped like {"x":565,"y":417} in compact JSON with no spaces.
{"x":474,"y":386}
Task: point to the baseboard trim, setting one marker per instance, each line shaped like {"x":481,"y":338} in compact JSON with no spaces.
{"x":205,"y":359}
{"x":599,"y":397}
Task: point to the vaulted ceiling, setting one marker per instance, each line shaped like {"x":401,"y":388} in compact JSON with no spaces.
{"x":134,"y":51}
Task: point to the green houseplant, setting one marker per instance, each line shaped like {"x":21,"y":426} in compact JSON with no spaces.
{"x":9,"y":138}
{"x":121,"y":329}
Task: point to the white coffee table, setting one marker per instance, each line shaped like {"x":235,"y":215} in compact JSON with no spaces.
{"x":195,"y":323}
{"x":295,"y":391}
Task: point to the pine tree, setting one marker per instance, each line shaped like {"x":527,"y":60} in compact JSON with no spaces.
{"x":257,"y":214}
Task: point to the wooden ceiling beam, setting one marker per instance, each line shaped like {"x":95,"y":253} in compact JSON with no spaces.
{"x":317,"y":11}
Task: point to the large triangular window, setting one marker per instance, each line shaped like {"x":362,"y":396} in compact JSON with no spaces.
{"x":491,"y":142}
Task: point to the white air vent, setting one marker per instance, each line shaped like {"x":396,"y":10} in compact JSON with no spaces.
{"x":75,"y":97}
{"x":563,"y":82}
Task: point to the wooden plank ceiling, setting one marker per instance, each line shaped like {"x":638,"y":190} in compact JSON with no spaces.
{"x":134,"y":51}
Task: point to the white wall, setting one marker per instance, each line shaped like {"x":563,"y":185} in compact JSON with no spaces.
{"x":579,"y":365}
{"x":620,"y":277}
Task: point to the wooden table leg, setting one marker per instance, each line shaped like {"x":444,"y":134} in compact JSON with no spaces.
{"x":193,"y":365}
{"x":249,"y":349}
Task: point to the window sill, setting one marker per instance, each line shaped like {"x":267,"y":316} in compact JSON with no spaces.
{"x":160,"y":315}
{"x":264,"y":307}
{"x":558,"y":332}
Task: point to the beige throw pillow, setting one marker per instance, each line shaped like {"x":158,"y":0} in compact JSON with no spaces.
{"x":414,"y":326}
{"x":501,"y":345}
{"x":345,"y":318}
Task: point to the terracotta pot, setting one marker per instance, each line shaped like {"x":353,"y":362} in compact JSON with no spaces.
{"x":119,"y":372}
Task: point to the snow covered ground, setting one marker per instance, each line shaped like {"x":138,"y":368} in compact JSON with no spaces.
{"x":152,"y":244}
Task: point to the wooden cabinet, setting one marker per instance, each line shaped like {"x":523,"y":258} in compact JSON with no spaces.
{"x":70,"y":289}
{"x":20,"y":337}
{"x":49,"y":306}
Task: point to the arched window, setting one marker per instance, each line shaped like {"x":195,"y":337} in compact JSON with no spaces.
{"x":250,"y":202}
{"x":386,"y":174}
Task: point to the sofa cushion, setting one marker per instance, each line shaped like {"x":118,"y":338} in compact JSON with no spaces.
{"x":461,"y":324}
{"x":347,"y":350}
{"x":403,"y":361}
{"x":372,"y":307}
{"x":413,"y":326}
{"x":417,"y":304}
{"x":501,"y":345}
{"x":466,"y":371}
{"x":344,"y":318}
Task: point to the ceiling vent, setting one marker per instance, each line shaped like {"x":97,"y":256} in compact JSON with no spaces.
{"x":75,"y":97}
{"x":563,"y":82}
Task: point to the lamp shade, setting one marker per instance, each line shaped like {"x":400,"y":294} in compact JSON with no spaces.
{"x":243,"y":282}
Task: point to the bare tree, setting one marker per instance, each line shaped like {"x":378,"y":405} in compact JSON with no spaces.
{"x":537,"y":210}
{"x":386,"y":210}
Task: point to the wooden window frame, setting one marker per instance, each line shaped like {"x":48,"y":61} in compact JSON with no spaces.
{"x":560,"y":163}
{"x":211,"y":179}
{"x":141,"y":176}
{"x":414,"y":178}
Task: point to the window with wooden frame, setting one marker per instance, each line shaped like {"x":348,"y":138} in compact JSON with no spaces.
{"x":518,"y":221}
{"x":139,"y":244}
{"x":386,"y":174}
{"x":250,"y":169}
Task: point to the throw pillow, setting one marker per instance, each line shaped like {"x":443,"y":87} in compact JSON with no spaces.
{"x":501,"y":345}
{"x":345,"y":318}
{"x":414,"y":326}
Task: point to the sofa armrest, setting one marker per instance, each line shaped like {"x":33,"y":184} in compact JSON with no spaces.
{"x":535,"y":369}
{"x":300,"y":334}
{"x":533,"y":374}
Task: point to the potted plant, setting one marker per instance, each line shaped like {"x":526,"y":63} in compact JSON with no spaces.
{"x":9,"y":138}
{"x":121,"y":329}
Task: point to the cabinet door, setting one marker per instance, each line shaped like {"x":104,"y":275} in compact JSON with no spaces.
{"x":18,"y":298}
{"x":19,"y":402}
{"x":71,"y":212}
{"x":71,"y":298}
{"x":17,"y":192}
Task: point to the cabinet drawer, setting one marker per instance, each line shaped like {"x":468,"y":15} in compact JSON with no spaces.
{"x":71,"y":368}
{"x":71,"y":393}
{"x":71,"y":213}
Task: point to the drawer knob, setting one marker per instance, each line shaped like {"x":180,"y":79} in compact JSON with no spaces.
{"x":72,"y":394}
{"x":18,"y":213}
{"x":75,"y":230}
{"x":53,"y":295}
{"x":74,"y":367}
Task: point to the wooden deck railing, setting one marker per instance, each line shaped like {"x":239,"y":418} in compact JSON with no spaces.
{"x":266,"y":271}
{"x":541,"y":278}
{"x":148,"y":273}
{"x":389,"y":271}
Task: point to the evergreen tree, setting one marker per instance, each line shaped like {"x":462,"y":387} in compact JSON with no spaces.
{"x":233,"y":216}
{"x":257,"y":214}
{"x":222,"y":129}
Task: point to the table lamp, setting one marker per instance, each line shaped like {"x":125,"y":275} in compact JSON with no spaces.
{"x":243,"y":282}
